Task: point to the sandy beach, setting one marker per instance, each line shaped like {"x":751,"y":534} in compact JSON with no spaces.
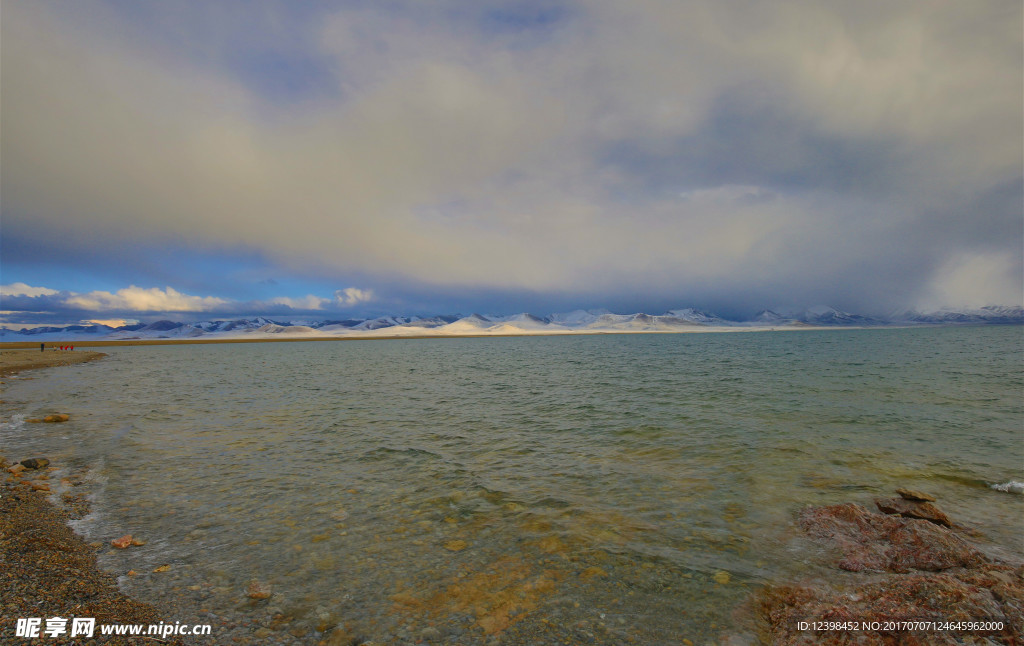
{"x":13,"y":360}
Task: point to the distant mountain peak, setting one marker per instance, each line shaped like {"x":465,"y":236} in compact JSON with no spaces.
{"x":526,"y":323}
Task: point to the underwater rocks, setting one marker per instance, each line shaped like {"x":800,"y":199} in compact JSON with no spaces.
{"x":35,"y":463}
{"x":258,"y":590}
{"x":56,"y":418}
{"x":906,"y":569}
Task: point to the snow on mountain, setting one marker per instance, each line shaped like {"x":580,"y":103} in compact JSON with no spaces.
{"x":384,"y":321}
{"x":523,"y":321}
{"x":591,"y":321}
{"x":697,"y":316}
{"x":818,"y":315}
{"x":472,"y":324}
{"x":577,"y":318}
{"x":771,"y":317}
{"x":638,"y":322}
{"x":991,"y":314}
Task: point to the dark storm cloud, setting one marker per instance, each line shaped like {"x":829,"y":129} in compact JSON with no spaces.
{"x":867,"y":155}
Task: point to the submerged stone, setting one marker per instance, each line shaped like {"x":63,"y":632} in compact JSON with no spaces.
{"x":35,"y":463}
{"x":123,"y":542}
{"x":258,"y":590}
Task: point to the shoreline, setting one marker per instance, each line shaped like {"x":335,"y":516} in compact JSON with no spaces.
{"x":282,"y":338}
{"x":15,"y":360}
{"x":48,"y":569}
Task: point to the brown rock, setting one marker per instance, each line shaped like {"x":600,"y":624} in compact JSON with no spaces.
{"x":339,"y":637}
{"x":123,"y":542}
{"x":56,"y":418}
{"x":912,"y":494}
{"x":870,"y":541}
{"x":35,"y":463}
{"x":456,"y":545}
{"x":914,"y":509}
{"x":258,"y":590}
{"x":917,"y":597}
{"x":138,"y":542}
{"x":16,"y":469}
{"x":39,"y":486}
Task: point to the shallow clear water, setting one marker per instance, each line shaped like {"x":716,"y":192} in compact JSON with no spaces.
{"x":535,"y":488}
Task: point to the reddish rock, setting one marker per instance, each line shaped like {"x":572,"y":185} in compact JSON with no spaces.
{"x":123,"y":542}
{"x":872,"y":541}
{"x":932,"y":575}
{"x":916,"y":597}
{"x":56,"y":418}
{"x":914,"y":509}
{"x":258,"y":590}
{"x":913,"y":494}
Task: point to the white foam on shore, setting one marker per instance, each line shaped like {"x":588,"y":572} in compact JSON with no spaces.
{"x":16,"y":424}
{"x":1009,"y":487}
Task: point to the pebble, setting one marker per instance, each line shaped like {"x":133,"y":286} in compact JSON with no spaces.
{"x":123,"y":542}
{"x":258,"y":590}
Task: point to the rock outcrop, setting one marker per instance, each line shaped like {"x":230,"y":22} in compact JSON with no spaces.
{"x":907,"y":572}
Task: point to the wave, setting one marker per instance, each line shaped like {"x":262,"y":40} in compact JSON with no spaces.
{"x":1009,"y":487}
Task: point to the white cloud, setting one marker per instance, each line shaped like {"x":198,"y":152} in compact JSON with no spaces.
{"x":140,"y":299}
{"x":975,"y":280}
{"x":308,"y":302}
{"x":21,"y":289}
{"x":352,"y":296}
{"x":111,"y":322}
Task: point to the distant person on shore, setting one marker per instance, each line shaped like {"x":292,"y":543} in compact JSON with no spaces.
{"x":42,"y":346}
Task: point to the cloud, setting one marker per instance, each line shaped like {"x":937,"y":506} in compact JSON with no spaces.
{"x":112,"y":322}
{"x":21,"y":289}
{"x":670,"y":149}
{"x":353,"y":295}
{"x":138,"y":299}
{"x":975,"y":280}
{"x":308,"y":302}
{"x":22,"y":301}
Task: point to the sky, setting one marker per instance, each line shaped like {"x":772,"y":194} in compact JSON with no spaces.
{"x":207,"y":159}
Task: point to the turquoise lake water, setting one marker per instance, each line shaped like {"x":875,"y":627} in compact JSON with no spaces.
{"x":595,"y":489}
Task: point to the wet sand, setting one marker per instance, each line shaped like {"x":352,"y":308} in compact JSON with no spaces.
{"x":16,"y":360}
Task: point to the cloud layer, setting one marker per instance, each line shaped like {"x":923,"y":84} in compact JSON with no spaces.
{"x":23,"y":303}
{"x":867,"y":155}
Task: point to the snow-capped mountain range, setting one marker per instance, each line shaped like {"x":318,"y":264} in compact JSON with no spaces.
{"x":579,"y":321}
